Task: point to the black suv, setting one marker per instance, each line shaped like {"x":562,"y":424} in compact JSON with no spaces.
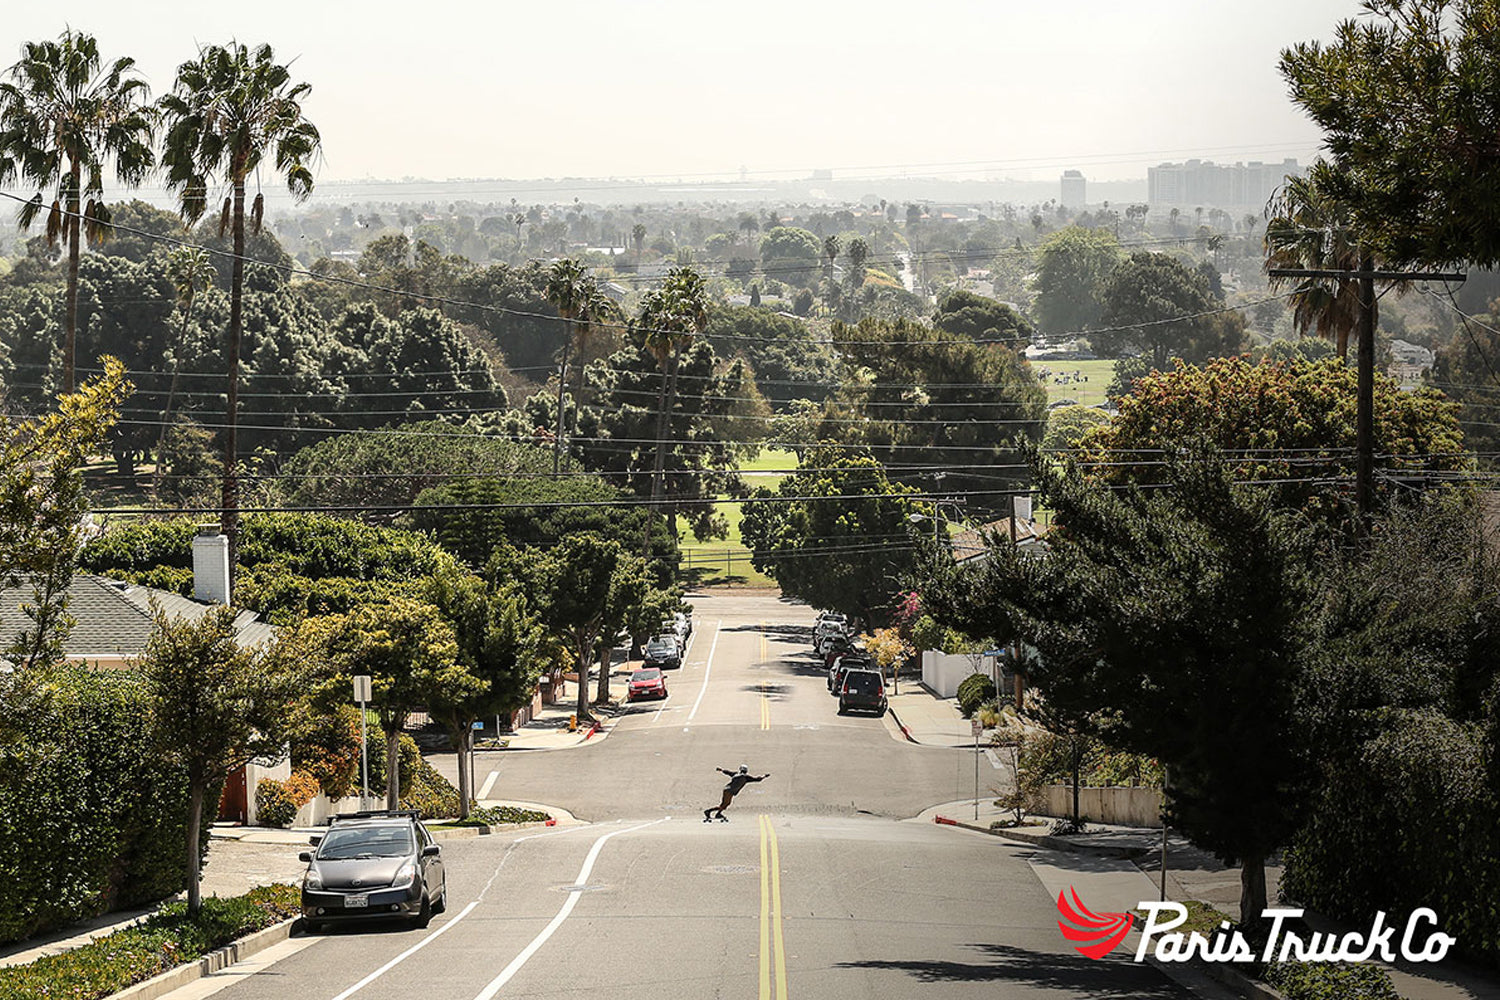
{"x":842,"y":665}
{"x":863,"y":689}
{"x":381,"y":863}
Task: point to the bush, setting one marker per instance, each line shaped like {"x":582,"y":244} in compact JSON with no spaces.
{"x":422,"y":787}
{"x":91,"y":819}
{"x":500,"y":815}
{"x":160,"y":943}
{"x":1331,"y":981}
{"x":1361,"y":850}
{"x":973,"y":691}
{"x":329,"y":751}
{"x":277,"y":802}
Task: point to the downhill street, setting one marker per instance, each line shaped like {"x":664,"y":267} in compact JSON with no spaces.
{"x":817,"y":888}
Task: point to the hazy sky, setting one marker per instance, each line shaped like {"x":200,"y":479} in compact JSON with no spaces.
{"x":586,"y":88}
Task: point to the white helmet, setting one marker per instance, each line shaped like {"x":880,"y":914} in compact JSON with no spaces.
{"x":744,"y":768}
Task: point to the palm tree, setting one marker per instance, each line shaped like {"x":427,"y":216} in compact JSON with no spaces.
{"x":191,"y":273}
{"x":1308,"y":228}
{"x":581,"y":304}
{"x":670,"y":318}
{"x":63,"y":119}
{"x":230,"y":111}
{"x":638,"y":237}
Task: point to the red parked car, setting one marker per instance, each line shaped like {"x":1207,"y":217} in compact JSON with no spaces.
{"x":648,"y":683}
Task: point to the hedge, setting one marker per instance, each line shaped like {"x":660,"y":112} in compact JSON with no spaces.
{"x":91,"y":819}
{"x":277,"y":802}
{"x":156,"y":945}
{"x":1408,"y":820}
{"x":973,"y":691}
{"x":1331,"y":981}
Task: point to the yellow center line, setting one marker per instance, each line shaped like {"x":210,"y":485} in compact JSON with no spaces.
{"x":780,"y":947}
{"x":765,"y":916}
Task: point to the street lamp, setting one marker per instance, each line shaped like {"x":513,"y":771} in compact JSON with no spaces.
{"x":934,"y":517}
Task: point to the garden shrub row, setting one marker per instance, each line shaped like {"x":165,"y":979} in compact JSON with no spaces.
{"x":277,"y":802}
{"x":158,"y":944}
{"x":91,"y":819}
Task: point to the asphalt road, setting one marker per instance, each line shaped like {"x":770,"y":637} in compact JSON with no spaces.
{"x":820,"y":886}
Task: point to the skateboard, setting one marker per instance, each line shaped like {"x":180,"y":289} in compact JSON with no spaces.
{"x":721,"y":819}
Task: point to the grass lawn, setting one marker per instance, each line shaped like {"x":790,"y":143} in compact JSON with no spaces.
{"x":1062,"y":384}
{"x":726,"y":561}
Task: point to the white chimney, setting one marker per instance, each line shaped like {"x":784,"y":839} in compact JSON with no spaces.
{"x":210,"y":565}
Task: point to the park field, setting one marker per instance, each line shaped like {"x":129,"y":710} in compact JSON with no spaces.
{"x":1083,"y":382}
{"x":726,"y":561}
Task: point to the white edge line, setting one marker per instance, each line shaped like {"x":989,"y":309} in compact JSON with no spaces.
{"x":686,"y":650}
{"x":406,"y":954}
{"x":707,"y":669}
{"x":531,"y":949}
{"x":489,"y":783}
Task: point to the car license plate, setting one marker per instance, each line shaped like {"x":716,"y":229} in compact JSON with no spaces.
{"x":357,"y":902}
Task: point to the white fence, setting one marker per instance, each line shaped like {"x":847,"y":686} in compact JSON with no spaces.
{"x":1115,"y":805}
{"x":317,"y":811}
{"x":943,"y":672}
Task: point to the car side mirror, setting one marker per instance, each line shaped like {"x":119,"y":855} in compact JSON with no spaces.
{"x":431,"y":851}
{"x":315,"y":840}
{"x":305,"y":857}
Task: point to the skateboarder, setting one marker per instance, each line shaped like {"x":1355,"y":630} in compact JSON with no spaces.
{"x":737,"y":780}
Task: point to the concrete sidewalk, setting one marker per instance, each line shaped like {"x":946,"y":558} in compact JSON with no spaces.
{"x":922,"y":717}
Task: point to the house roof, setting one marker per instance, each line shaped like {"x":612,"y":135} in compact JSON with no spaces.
{"x":113,"y":618}
{"x":969,"y":543}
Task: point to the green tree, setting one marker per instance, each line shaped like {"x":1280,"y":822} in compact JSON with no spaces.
{"x":1067,"y":426}
{"x":230,"y":112}
{"x":65,"y":118}
{"x":965,"y":314}
{"x":1290,"y":423}
{"x":577,"y":298}
{"x":412,"y":656}
{"x":1073,"y":269}
{"x":578,"y":583}
{"x":787,"y":361}
{"x":1310,"y":229}
{"x":1154,"y":303}
{"x":850,"y":552}
{"x":1465,"y":370}
{"x":215,"y":705}
{"x":791,"y":255}
{"x":191,"y":272}
{"x":1168,"y":623}
{"x":927,"y":398}
{"x":499,"y":643}
{"x":43,"y":505}
{"x":671,"y":317}
{"x":1405,"y":97}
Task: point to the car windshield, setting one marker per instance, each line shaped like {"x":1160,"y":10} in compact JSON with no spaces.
{"x":344,"y":843}
{"x":645,"y":675}
{"x":862,"y":682}
{"x":659,"y":646}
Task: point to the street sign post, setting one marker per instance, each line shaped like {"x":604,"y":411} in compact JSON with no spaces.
{"x":977,"y":727}
{"x":362,"y":685}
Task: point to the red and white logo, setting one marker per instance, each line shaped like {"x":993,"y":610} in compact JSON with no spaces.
{"x":1094,"y":934}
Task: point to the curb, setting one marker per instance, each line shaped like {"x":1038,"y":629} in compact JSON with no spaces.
{"x":1237,"y":980}
{"x":1046,"y":840}
{"x":902,"y":726}
{"x":235,"y":951}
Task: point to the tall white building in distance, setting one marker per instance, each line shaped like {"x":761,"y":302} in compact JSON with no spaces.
{"x":1203,"y":182}
{"x":1074,"y":194}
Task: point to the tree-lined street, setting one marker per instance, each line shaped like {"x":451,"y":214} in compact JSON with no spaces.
{"x":835,"y":894}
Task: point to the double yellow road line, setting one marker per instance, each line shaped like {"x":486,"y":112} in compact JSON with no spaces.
{"x":772,"y":950}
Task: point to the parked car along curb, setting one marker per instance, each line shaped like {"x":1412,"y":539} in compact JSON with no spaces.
{"x":235,"y":951}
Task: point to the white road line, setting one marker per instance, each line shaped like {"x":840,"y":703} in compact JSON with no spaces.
{"x":707,"y":669}
{"x":489,"y":782}
{"x":406,"y":954}
{"x":461,"y":914}
{"x":516,"y":963}
{"x":688,"y":649}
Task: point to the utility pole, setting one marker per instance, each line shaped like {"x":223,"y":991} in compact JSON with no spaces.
{"x":1364,"y":436}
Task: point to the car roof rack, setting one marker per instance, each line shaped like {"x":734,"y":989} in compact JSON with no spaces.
{"x":379,"y":814}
